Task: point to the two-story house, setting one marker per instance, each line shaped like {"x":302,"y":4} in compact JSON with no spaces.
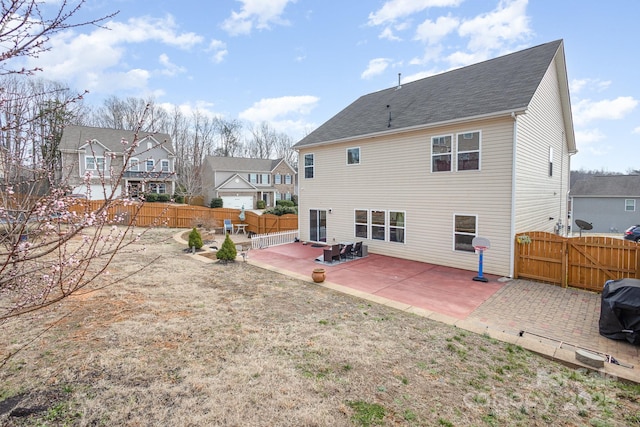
{"x":419,"y":170}
{"x":243,"y":181}
{"x":92,"y":162}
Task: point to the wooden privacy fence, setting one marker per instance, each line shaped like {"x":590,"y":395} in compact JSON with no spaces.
{"x":580,"y":262}
{"x":186,"y":216}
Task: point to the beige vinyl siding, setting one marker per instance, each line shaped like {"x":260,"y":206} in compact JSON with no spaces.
{"x":538,"y":196}
{"x":395,"y":174}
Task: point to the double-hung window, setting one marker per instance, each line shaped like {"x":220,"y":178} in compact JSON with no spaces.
{"x":287,"y":179}
{"x":253,"y":178}
{"x":264,"y":178}
{"x":164,"y":164}
{"x":378,"y":225}
{"x":464,"y":230}
{"x":362,"y":223}
{"x":149,"y":165}
{"x":441,"y":153}
{"x":468,"y":151}
{"x":630,"y":205}
{"x":94,"y":163}
{"x":309,"y":166}
{"x":277,"y":179}
{"x":396,"y":226}
{"x":134,"y":164}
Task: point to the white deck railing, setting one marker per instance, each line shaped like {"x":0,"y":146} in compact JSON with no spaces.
{"x":260,"y":241}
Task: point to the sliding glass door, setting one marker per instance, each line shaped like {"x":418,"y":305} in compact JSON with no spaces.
{"x":317,"y":225}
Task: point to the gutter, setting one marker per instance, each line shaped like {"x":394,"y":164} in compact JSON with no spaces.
{"x":504,"y":113}
{"x":512,"y":232}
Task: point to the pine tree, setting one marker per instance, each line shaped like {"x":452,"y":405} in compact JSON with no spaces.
{"x":195,"y":239}
{"x":227,"y":251}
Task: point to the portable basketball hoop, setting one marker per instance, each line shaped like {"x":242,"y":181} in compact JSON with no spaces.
{"x":480,"y":244}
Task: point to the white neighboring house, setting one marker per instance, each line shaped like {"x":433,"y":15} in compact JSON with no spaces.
{"x":240,"y":181}
{"x":99,"y":151}
{"x":419,"y":170}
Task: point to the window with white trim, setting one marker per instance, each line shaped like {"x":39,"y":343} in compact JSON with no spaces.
{"x":277,"y":179}
{"x":353,"y":156}
{"x":468,"y":151}
{"x":362,"y":223}
{"x":164,"y":164}
{"x":630,"y":205}
{"x":264,"y":179}
{"x":378,"y":225}
{"x":253,"y":178}
{"x":464,"y":230}
{"x":309,"y":166}
{"x":441,"y":148}
{"x":94,"y":163}
{"x":396,"y":226}
{"x":149,"y":165}
{"x":134,"y":164}
{"x":287,"y":179}
{"x":158,"y":187}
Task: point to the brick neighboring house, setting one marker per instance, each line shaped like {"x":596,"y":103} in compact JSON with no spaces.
{"x":242,"y":181}
{"x":99,"y":150}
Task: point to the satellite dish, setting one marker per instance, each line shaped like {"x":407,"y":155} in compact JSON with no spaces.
{"x":583,"y":225}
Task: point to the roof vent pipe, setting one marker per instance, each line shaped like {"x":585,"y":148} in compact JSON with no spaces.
{"x":399,"y":85}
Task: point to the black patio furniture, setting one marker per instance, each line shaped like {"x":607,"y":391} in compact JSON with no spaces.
{"x":332,"y":253}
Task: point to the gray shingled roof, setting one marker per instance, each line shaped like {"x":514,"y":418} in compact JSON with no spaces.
{"x":503,"y":84}
{"x":241,"y":164}
{"x":607,"y":185}
{"x":73,"y":137}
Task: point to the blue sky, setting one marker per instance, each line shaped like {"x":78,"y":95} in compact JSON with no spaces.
{"x":296,"y":63}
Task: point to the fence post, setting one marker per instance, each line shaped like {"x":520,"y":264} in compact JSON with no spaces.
{"x":565,"y":263}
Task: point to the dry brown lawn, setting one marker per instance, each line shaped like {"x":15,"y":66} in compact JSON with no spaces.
{"x":188,"y":343}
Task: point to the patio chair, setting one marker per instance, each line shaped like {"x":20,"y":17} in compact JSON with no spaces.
{"x":332,"y":253}
{"x":345,"y":253}
{"x":228,"y":227}
{"x":357,"y":250}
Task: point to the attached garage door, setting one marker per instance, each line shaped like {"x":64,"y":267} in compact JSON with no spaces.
{"x":237,"y":202}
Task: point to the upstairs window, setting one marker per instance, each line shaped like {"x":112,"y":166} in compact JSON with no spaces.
{"x":134,"y":165}
{"x":94,"y":163}
{"x":630,"y":205}
{"x":287,"y":179}
{"x":253,"y":178}
{"x":353,"y":156}
{"x":277,"y":179}
{"x":165,"y":165}
{"x":265,"y":178}
{"x":150,"y":165}
{"x":441,"y":153}
{"x":469,"y":151}
{"x":309,"y":166}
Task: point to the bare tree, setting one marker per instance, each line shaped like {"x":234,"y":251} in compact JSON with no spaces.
{"x":263,"y":141}
{"x":229,"y":132}
{"x":51,"y":245}
{"x":116,"y":113}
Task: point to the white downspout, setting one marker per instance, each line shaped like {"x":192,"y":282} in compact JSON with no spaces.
{"x":512,"y":233}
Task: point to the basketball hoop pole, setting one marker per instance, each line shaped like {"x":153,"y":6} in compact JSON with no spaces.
{"x":480,"y":277}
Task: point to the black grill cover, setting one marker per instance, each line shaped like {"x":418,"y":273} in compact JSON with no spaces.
{"x":620,"y":310}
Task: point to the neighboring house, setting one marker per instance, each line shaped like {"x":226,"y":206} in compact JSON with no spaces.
{"x":610,"y":203}
{"x":99,"y":151}
{"x":418,"y":170}
{"x":242,"y":181}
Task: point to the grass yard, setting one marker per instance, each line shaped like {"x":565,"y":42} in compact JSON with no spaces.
{"x":186,"y":343}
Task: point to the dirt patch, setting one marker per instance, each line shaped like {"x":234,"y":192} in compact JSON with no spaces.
{"x":185,"y":342}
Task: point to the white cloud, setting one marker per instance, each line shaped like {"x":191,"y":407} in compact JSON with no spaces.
{"x":270,"y":109}
{"x":170,"y":69}
{"x":376,"y":67}
{"x":395,"y":9}
{"x":219,"y":50}
{"x":388,"y":34}
{"x":589,"y":136}
{"x":636,"y":130}
{"x":256,"y":13}
{"x":95,"y":60}
{"x":490,"y":32}
{"x":431,"y":32}
{"x":577,"y":85}
{"x":586,"y":111}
